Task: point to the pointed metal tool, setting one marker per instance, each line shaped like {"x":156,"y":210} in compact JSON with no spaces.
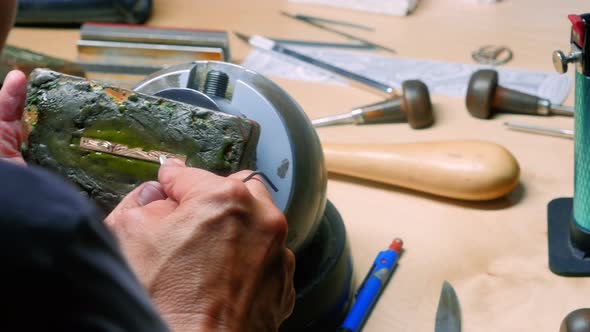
{"x":163,"y":159}
{"x":360,"y":80}
{"x":331,"y":21}
{"x":309,"y":43}
{"x":485,"y":97}
{"x":413,"y":106}
{"x":338,"y":32}
{"x":564,"y":133}
{"x":448,"y":314}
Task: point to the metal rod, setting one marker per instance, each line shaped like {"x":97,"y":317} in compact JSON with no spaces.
{"x":163,"y":159}
{"x":384,"y":88}
{"x":387,"y":111}
{"x":338,"y":119}
{"x":562,"y":110}
{"x":564,"y":133}
{"x":361,"y":46}
{"x":268,"y":181}
{"x":267,"y":44}
{"x":341,"y":33}
{"x":331,"y":21}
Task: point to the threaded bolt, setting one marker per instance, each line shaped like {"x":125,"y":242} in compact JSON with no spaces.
{"x":216,"y":83}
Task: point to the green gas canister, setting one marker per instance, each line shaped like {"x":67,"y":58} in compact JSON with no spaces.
{"x":569,"y":218}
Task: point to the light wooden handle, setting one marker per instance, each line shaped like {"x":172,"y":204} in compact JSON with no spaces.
{"x":469,"y":170}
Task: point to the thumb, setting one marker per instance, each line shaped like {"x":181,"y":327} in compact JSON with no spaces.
{"x":143,"y":195}
{"x":12,"y":102}
{"x":13,"y":96}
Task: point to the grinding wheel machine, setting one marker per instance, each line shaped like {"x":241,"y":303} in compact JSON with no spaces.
{"x":290,"y":155}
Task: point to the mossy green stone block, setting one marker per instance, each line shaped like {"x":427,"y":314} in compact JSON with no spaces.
{"x":62,"y":110}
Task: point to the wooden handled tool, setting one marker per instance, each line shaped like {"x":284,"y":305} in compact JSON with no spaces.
{"x":485,"y":97}
{"x":469,"y":170}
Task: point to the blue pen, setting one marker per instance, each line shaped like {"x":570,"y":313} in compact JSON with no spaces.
{"x":371,"y":287}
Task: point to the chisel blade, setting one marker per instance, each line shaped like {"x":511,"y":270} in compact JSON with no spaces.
{"x":448,"y":314}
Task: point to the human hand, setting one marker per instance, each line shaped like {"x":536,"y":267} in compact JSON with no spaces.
{"x":12,"y":102}
{"x":210,"y":250}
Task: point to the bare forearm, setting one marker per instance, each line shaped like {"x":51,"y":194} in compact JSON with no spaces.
{"x":7,"y":13}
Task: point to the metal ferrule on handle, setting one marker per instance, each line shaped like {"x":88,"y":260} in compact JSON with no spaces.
{"x":388,"y":111}
{"x":562,"y":110}
{"x":544,"y":107}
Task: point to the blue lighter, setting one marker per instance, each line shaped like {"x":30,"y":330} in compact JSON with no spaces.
{"x":372,"y":287}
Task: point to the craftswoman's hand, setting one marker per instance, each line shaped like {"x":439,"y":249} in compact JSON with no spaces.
{"x":12,"y":96}
{"x":12,"y":102}
{"x":210,"y":250}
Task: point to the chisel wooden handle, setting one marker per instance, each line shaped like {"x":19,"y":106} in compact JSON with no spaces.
{"x":469,"y":170}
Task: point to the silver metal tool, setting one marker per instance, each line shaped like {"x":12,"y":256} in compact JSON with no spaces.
{"x":357,"y":46}
{"x":576,"y":321}
{"x":262,"y":175}
{"x":413,"y":106}
{"x":448,"y":313}
{"x":162,"y":159}
{"x":331,"y":21}
{"x":561,"y":61}
{"x":290,"y":156}
{"x":288,"y":150}
{"x":341,"y":33}
{"x":486,"y":97}
{"x":564,"y":133}
{"x":492,"y":55}
{"x":269,"y":45}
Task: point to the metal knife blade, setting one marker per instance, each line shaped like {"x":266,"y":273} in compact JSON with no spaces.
{"x":448,"y":314}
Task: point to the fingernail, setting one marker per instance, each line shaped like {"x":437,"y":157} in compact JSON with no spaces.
{"x":150,"y":192}
{"x":163,"y":159}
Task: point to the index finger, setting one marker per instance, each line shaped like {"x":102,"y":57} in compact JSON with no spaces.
{"x":181,"y":183}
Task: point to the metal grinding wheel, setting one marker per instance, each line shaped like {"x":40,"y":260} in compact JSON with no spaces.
{"x":290,"y":154}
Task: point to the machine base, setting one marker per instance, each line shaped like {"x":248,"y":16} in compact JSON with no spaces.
{"x":564,"y":258}
{"x":323,"y":278}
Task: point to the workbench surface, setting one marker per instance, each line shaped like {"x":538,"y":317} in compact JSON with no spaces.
{"x":493,"y":253}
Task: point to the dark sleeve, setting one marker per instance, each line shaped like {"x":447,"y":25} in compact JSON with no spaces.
{"x":61,"y":268}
